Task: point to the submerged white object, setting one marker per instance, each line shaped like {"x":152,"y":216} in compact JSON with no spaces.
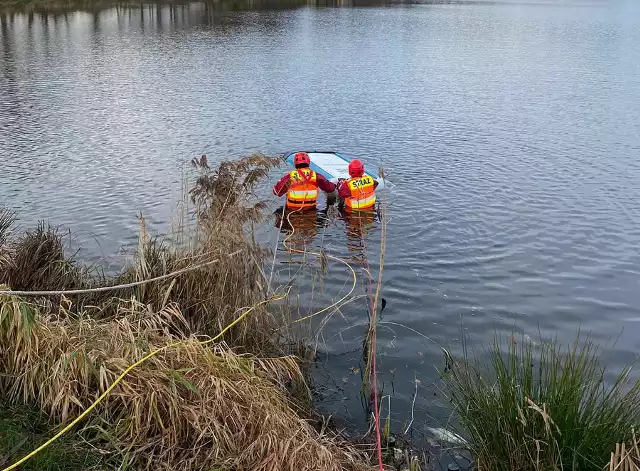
{"x":333,"y":165}
{"x":445,"y":435}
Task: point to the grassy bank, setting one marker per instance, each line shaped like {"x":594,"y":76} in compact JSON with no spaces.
{"x":237,"y":402}
{"x":546,"y":407}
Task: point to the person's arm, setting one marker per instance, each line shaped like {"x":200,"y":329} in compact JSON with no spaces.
{"x":282,"y":186}
{"x":324,"y":184}
{"x":343,"y":190}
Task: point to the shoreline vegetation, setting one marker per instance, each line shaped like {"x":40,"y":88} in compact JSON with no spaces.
{"x":242,"y":401}
{"x":541,"y":406}
{"x":239,"y":402}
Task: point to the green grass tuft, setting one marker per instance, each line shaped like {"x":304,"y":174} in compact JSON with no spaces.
{"x":21,"y":427}
{"x":38,"y":259}
{"x":542,"y":409}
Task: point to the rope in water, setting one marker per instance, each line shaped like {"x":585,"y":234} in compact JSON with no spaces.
{"x":337,"y":305}
{"x":354,"y":276}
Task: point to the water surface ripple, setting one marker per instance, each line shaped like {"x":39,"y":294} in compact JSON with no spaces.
{"x":511,"y":131}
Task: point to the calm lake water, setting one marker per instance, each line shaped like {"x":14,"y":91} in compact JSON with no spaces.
{"x":511,"y":132}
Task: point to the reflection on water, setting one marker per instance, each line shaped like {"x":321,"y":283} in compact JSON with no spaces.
{"x":358,"y":225}
{"x":510,"y":129}
{"x":300,"y":228}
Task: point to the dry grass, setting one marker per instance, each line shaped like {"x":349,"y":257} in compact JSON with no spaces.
{"x":224,"y":406}
{"x":38,"y":259}
{"x":209,"y":297}
{"x":192,"y":407}
{"x":626,"y":457}
{"x":7,"y":218}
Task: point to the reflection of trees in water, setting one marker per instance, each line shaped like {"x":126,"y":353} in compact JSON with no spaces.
{"x":6,"y":45}
{"x":24,"y":39}
{"x":163,"y":16}
{"x":8,"y":74}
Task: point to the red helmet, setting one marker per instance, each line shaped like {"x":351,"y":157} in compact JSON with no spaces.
{"x":301,"y":158}
{"x":356,"y":168}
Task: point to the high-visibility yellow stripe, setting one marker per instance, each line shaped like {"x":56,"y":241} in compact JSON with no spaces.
{"x":364,"y":202}
{"x":300,"y":195}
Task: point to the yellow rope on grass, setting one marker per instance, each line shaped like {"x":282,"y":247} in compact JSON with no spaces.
{"x":175,"y":344}
{"x":126,"y":372}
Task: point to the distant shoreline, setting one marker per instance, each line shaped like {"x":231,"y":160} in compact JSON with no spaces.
{"x":43,"y":6}
{"x":63,"y":6}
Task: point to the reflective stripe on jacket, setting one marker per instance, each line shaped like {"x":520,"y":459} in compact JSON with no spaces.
{"x":303,"y":189}
{"x":363,"y":193}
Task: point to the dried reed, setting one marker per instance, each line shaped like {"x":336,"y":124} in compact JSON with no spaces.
{"x":224,"y":406}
